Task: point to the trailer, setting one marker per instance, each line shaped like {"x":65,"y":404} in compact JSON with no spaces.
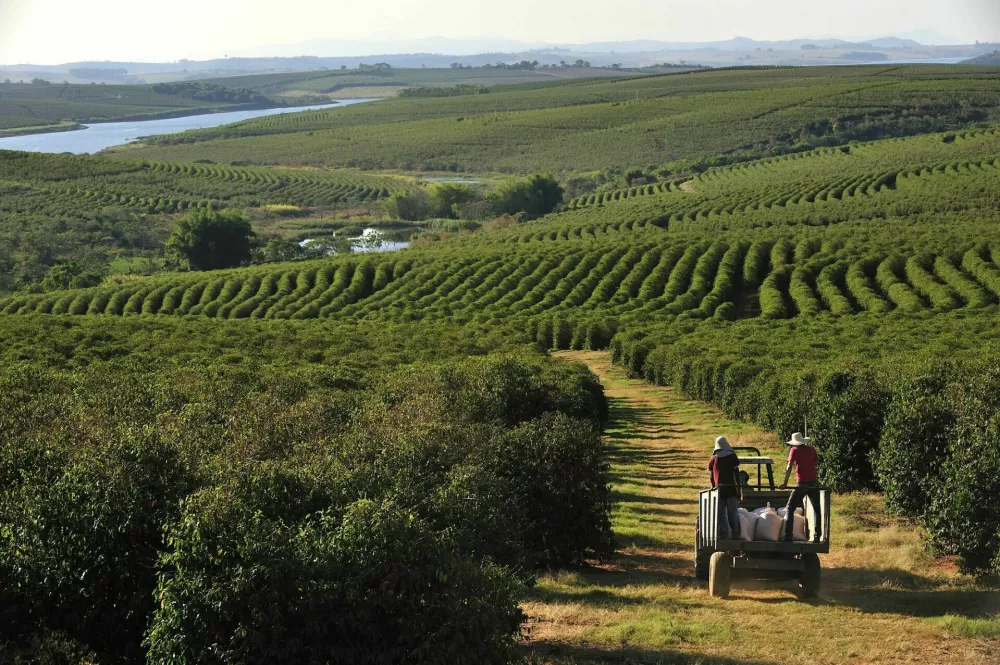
{"x":721,"y":562}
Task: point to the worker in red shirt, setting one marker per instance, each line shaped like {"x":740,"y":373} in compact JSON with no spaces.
{"x":803,"y":457}
{"x":724,"y":468}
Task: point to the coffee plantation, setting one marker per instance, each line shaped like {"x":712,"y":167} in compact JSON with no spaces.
{"x":292,"y":462}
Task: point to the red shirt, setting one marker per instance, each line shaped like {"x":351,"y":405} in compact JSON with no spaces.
{"x":805,"y":463}
{"x":723,"y":469}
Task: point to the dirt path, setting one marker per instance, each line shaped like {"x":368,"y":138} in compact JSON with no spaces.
{"x":884,"y":598}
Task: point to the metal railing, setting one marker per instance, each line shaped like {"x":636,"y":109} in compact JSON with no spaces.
{"x":710,"y":515}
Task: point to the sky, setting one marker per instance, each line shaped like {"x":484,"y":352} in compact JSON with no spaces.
{"x":58,"y":31}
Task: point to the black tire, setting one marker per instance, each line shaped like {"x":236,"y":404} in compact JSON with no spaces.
{"x":701,"y":555}
{"x":720,"y":576}
{"x":809,"y":585}
{"x":702,"y":563}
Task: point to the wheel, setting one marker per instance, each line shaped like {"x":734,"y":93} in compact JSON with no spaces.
{"x":810,"y":582}
{"x":702,"y":564}
{"x":701,"y":555}
{"x":720,"y":575}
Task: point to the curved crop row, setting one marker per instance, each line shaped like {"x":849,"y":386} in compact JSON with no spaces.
{"x":860,"y":287}
{"x":898,"y":291}
{"x":920,"y":277}
{"x":829,"y":284}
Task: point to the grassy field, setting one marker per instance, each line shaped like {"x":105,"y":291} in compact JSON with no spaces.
{"x":884,"y":598}
{"x":627,"y":123}
{"x":326,"y":82}
{"x":65,"y":126}
{"x":43,"y":107}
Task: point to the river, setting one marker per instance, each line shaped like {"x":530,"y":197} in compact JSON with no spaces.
{"x":100,"y":135}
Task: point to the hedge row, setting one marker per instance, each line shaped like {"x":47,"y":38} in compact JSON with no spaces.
{"x":919,"y":424}
{"x":276,"y":515}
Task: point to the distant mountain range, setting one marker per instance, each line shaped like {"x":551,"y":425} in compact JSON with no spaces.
{"x":444,"y":52}
{"x":390,"y":44}
{"x":393,"y":43}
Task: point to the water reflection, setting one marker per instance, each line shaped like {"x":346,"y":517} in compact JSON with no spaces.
{"x":98,"y":136}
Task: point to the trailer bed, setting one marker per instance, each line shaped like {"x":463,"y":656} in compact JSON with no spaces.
{"x":798,"y":547}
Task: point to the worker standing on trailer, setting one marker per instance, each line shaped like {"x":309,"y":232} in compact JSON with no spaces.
{"x":725,"y":470}
{"x":803,"y":457}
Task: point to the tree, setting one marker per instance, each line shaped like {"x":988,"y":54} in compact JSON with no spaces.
{"x":70,"y":276}
{"x":537,"y":194}
{"x":278,"y":250}
{"x":318,"y":248}
{"x":211,"y":240}
{"x":408,"y":207}
{"x":635,"y":175}
{"x":445,"y":197}
{"x":371,"y":241}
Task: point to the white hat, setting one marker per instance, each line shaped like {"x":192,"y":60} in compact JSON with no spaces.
{"x":799,"y":440}
{"x":722,"y":443}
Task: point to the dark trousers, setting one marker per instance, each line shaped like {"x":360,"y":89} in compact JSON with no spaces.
{"x":729,"y":519}
{"x":795,"y":502}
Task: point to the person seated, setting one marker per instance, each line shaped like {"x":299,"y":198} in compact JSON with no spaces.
{"x":744,"y":479}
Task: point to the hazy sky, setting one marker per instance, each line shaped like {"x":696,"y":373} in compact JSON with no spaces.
{"x":55,"y":31}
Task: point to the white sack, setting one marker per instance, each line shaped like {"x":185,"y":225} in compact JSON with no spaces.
{"x":769,"y":527}
{"x":799,"y":528}
{"x":812,"y":528}
{"x":748,"y":525}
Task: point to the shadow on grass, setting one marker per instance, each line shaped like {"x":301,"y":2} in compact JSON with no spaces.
{"x":553,"y":653}
{"x":630,"y":497}
{"x":645,"y":509}
{"x":594,"y":597}
{"x":645,"y":540}
{"x":639,"y":569}
{"x":894,"y":591}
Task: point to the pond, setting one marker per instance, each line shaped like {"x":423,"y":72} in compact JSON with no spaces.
{"x":98,"y":136}
{"x":371,"y":240}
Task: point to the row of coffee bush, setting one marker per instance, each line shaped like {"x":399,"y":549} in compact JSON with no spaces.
{"x":907,"y":405}
{"x":211,"y":511}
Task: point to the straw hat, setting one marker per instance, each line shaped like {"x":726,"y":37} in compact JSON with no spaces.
{"x":799,"y":440}
{"x":722,"y":443}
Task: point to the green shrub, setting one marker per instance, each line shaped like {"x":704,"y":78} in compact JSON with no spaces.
{"x":370,"y":585}
{"x":914,"y":444}
{"x":43,"y":648}
{"x":81,"y":529}
{"x":961,"y":514}
{"x":534,"y":495}
{"x":846,"y":414}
